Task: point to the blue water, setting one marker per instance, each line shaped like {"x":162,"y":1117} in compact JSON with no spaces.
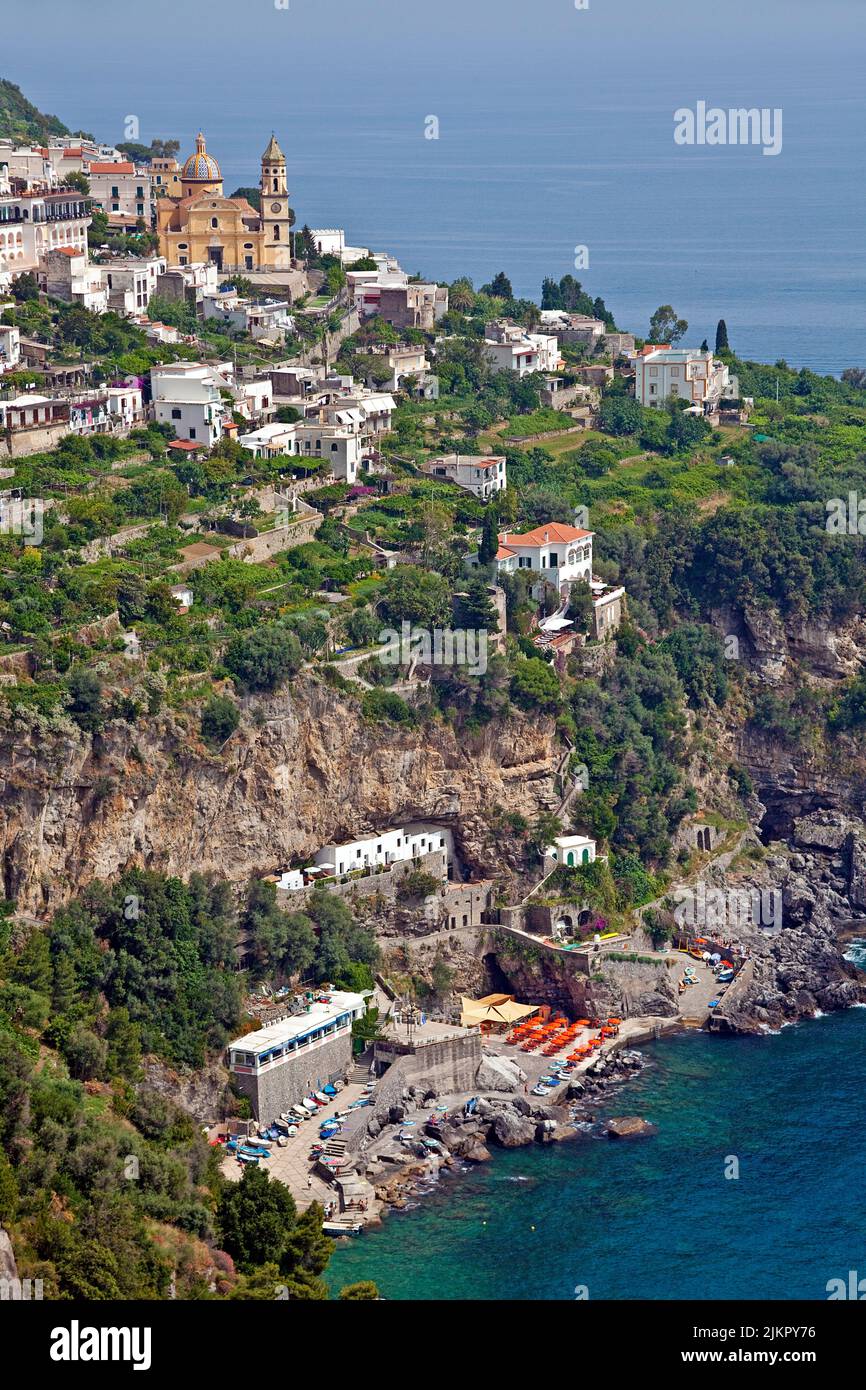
{"x":556,"y":131}
{"x":656,"y":1218}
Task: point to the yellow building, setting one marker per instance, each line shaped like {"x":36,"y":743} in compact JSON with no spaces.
{"x":200,"y":223}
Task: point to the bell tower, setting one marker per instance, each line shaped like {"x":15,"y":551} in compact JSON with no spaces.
{"x":276,"y":224}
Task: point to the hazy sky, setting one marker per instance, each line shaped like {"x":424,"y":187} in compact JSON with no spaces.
{"x":76,"y":57}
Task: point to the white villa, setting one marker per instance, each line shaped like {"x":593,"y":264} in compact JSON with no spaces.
{"x":509,"y":347}
{"x":374,"y":851}
{"x":340,"y":445}
{"x":562,"y":554}
{"x":571,"y":850}
{"x":696,"y":377}
{"x":482,"y":475}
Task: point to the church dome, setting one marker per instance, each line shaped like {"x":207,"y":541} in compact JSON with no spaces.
{"x":201,"y":167}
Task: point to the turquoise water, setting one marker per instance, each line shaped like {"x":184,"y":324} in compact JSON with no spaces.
{"x":656,"y":1218}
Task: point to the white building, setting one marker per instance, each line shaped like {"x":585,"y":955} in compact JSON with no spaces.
{"x":331,"y":241}
{"x":340,"y":446}
{"x":124,"y":193}
{"x":66,"y":273}
{"x":561,"y":554}
{"x":186,"y":396}
{"x":481,"y":475}
{"x":685,"y":373}
{"x":131,"y":282}
{"x":39,"y":221}
{"x":509,"y":347}
{"x":270,"y":318}
{"x":390,"y":847}
{"x":276,"y":1066}
{"x":10,"y":347}
{"x":571,"y":850}
{"x":126,"y":406}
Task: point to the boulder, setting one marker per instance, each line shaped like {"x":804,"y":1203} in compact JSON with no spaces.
{"x":499,"y":1074}
{"x":511,"y":1130}
{"x":628,"y":1127}
{"x":476,"y":1153}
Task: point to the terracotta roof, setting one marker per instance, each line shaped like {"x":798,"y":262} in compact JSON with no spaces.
{"x":188,"y":444}
{"x":122,"y":166}
{"x":503,"y":553}
{"x":67,"y":251}
{"x":542,"y":535}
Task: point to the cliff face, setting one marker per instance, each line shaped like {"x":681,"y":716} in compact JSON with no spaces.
{"x":306,"y":770}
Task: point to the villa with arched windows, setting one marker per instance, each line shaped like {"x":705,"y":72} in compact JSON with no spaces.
{"x":571,"y":851}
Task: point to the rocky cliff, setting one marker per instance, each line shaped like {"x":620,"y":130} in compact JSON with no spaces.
{"x":305,"y":768}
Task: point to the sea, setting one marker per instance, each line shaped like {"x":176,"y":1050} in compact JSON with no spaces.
{"x":750,"y":1189}
{"x":553,"y":151}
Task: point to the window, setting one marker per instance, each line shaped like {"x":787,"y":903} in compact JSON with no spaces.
{"x":175,"y":414}
{"x":214,"y":222}
{"x":276,"y":233}
{"x":114,"y":192}
{"x":139,"y":192}
{"x":333,"y":448}
{"x":139,"y":207}
{"x":182,"y":260}
{"x":192,"y":433}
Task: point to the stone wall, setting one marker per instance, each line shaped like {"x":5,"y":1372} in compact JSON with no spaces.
{"x":446,"y":1067}
{"x":385,"y":883}
{"x":288,"y":1082}
{"x":268,"y":543}
{"x":18,"y":443}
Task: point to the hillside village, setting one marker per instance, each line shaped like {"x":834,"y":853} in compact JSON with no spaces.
{"x":376,"y":662}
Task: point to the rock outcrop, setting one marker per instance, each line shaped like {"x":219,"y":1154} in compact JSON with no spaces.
{"x":306,"y":770}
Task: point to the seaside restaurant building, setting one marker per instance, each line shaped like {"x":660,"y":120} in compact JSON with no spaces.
{"x":280,"y":1064}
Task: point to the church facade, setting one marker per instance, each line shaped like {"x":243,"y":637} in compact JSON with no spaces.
{"x":202,"y":224}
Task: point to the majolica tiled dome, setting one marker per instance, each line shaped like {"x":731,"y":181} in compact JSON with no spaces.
{"x":201,"y":167}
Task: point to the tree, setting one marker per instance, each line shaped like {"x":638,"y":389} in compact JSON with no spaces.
{"x":722,"y":336}
{"x":364,"y":1291}
{"x":489,"y":538}
{"x":219,"y":719}
{"x":499,"y":287}
{"x":362,"y":627}
{"x":265,"y":658}
{"x":461,"y":296}
{"x":665,"y":327}
{"x":474,"y":608}
{"x":256,"y":1219}
{"x":416,"y":596}
{"x":535,"y":685}
{"x":580,"y":605}
{"x":75,"y":179}
{"x":85,"y":699}
{"x":620,"y":415}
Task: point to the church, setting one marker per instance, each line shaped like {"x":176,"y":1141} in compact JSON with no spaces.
{"x":202,"y":224}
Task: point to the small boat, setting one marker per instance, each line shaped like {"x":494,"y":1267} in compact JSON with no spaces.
{"x":337,"y":1228}
{"x":247,"y":1158}
{"x":539,"y":1091}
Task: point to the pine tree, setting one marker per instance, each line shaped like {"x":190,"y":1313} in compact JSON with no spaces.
{"x":722,"y":336}
{"x":489,"y":538}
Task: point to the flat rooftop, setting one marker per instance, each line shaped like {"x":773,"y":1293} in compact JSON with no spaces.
{"x":277,"y":1034}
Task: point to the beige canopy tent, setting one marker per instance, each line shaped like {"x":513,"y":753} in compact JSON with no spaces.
{"x":493,"y":1008}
